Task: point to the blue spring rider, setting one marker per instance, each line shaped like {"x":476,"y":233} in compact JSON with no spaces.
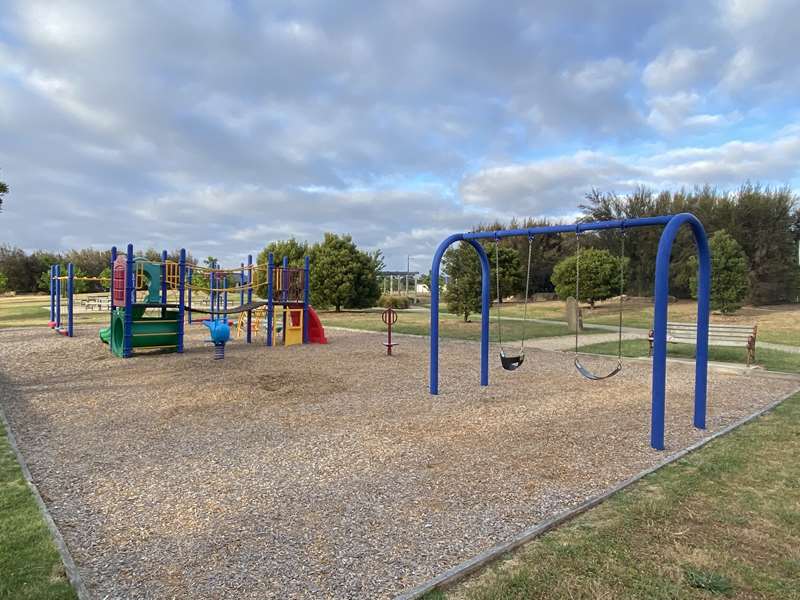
{"x":220,"y":333}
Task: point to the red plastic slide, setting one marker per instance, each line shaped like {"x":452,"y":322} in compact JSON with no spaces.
{"x":316,"y":333}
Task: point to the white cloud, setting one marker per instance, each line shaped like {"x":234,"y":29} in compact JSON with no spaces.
{"x":678,"y":68}
{"x":555,"y":186}
{"x":225,"y":125}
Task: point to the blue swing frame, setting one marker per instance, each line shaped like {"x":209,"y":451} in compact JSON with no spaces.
{"x":671,"y":224}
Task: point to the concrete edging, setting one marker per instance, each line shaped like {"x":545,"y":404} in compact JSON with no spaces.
{"x":70,"y":567}
{"x":471,"y":565}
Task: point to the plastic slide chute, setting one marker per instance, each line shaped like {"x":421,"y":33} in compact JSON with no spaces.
{"x":316,"y":333}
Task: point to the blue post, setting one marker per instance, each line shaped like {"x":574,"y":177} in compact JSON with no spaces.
{"x":111,"y":291}
{"x":191,"y":274}
{"x":52,"y":295}
{"x":164,"y":276}
{"x":485,"y":300}
{"x":211,"y":295}
{"x":181,"y":293}
{"x":249,"y":296}
{"x":660,"y":326}
{"x":306,"y":269}
{"x":285,"y":292}
{"x":58,"y":297}
{"x":70,"y":292}
{"x":130,"y":297}
{"x":225,"y":297}
{"x":270,"y":300}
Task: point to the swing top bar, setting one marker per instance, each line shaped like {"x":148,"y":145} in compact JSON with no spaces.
{"x":572,"y":228}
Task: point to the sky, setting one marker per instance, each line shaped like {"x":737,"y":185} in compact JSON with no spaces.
{"x":221,"y":126}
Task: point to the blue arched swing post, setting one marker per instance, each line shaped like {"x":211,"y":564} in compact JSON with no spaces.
{"x":671,"y":223}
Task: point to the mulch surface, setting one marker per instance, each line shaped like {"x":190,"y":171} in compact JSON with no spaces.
{"x":321,"y":471}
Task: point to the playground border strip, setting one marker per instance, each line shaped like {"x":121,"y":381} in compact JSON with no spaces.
{"x":469,"y":566}
{"x":70,"y":567}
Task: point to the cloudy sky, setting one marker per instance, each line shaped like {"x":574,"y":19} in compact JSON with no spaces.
{"x":220,"y":126}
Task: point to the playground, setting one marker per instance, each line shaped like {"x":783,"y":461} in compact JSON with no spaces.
{"x":257,"y":476}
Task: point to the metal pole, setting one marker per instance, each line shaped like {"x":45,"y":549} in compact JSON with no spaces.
{"x":58,"y":297}
{"x":270,"y":300}
{"x":70,"y":292}
{"x":111,"y":294}
{"x":249,"y":296}
{"x":189,"y":301}
{"x":164,"y":256}
{"x":485,"y":280}
{"x":225,"y":297}
{"x":660,"y":325}
{"x":285,"y":292}
{"x":181,"y":295}
{"x":51,"y":323}
{"x":306,"y":290}
{"x":130,"y":296}
{"x":241,"y":284}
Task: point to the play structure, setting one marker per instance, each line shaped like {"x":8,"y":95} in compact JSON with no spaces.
{"x":671,"y":224}
{"x":156,"y":318}
{"x":61,"y":284}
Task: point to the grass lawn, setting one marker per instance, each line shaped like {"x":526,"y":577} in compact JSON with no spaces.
{"x":28,"y":311}
{"x":30,"y":566}
{"x":723,"y":522}
{"x":778,"y":324}
{"x":450,"y":326}
{"x":773,"y":360}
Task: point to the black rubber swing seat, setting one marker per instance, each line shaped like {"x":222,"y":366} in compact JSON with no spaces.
{"x":511,"y":363}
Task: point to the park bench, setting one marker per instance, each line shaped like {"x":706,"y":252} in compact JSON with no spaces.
{"x":737,"y":336}
{"x":96,"y":302}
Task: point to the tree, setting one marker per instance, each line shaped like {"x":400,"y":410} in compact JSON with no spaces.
{"x":599,"y":277}
{"x":511,"y":277}
{"x":729,"y":273}
{"x":89,"y":260}
{"x":760,"y":219}
{"x":342,"y":275}
{"x":105,"y":274}
{"x":3,"y":283}
{"x":463,"y":269}
{"x":4,"y":189}
{"x":292,"y":249}
{"x":78,"y":286}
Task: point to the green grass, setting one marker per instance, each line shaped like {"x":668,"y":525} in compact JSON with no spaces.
{"x":772,"y":360}
{"x":723,"y":522}
{"x":28,"y":311}
{"x":780,"y":325}
{"x":450,"y":326}
{"x":30,"y":566}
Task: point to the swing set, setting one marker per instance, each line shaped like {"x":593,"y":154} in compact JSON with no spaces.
{"x":511,"y":362}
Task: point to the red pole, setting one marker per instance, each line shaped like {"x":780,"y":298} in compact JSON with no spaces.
{"x":389,"y":317}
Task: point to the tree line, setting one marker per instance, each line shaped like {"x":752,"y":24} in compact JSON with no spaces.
{"x":24,"y":272}
{"x":341,"y":275}
{"x":758,"y":227}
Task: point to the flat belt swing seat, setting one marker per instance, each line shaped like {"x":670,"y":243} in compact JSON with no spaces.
{"x":582,"y":369}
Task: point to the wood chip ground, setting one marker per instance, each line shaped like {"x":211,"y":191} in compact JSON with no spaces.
{"x":321,"y":471}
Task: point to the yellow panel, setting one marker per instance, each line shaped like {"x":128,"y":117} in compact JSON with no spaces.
{"x":294,"y":332}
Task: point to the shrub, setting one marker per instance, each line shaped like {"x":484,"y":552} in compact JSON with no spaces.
{"x":600,"y":272}
{"x":729,"y":273}
{"x":399,"y":302}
